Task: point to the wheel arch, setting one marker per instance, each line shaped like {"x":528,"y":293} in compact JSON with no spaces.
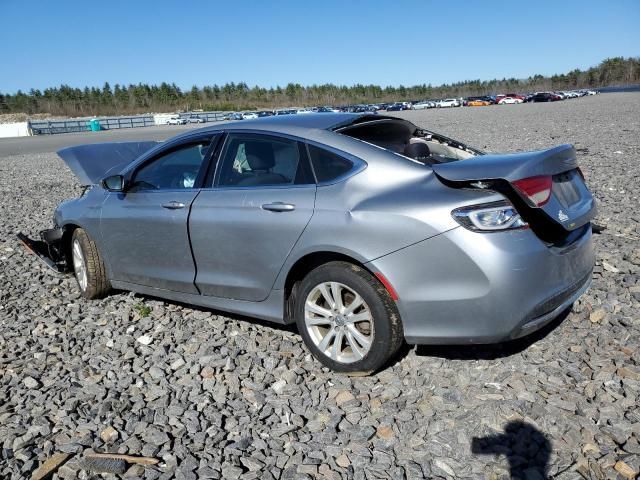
{"x":67,"y":235}
{"x":305,"y":264}
{"x":71,"y":226}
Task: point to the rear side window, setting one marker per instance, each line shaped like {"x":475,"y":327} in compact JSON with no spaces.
{"x":327,"y":165}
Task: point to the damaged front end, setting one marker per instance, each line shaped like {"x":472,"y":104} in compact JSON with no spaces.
{"x":49,"y":249}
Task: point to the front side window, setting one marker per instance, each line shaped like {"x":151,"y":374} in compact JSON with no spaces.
{"x":327,"y":165}
{"x":177,"y":169}
{"x":254,"y":160}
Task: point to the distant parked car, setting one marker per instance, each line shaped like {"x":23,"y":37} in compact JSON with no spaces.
{"x":545,"y":97}
{"x":327,"y":110}
{"x":422,"y":105}
{"x":509,"y":100}
{"x":196,"y":119}
{"x":449,"y":102}
{"x":177,"y":121}
{"x":478,"y":102}
{"x":396,"y":107}
{"x":249,"y":116}
{"x":265,"y":113}
{"x":592,"y":92}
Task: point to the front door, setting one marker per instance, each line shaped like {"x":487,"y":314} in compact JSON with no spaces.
{"x":145,"y":228}
{"x":244,"y":227}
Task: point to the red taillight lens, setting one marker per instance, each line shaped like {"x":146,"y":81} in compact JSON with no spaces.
{"x":387,"y":285}
{"x":536,"y":189}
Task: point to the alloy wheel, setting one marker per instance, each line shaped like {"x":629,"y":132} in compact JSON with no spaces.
{"x":79,"y":265}
{"x":339,"y":322}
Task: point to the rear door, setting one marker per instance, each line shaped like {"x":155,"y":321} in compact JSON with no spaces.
{"x":145,"y":229}
{"x":245,"y":225}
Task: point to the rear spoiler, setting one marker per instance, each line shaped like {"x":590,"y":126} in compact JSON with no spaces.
{"x":90,"y":163}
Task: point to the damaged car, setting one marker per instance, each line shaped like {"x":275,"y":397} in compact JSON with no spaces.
{"x":366,"y":231}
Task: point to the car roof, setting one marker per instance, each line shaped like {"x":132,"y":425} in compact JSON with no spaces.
{"x":291,"y":124}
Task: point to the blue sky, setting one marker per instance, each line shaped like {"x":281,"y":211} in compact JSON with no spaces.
{"x":46,"y":43}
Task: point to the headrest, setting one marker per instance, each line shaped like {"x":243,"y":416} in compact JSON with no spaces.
{"x":259,"y":155}
{"x":418,"y":151}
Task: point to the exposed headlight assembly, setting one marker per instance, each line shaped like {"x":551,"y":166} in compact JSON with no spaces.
{"x":489,"y":217}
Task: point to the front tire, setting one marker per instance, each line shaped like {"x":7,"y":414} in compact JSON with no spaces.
{"x":347,"y":318}
{"x":88,"y":266}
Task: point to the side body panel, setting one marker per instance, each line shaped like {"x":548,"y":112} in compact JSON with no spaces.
{"x":270,"y":309}
{"x":377,"y":212}
{"x":468,"y":287}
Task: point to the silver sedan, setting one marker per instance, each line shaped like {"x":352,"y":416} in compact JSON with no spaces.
{"x":364,"y":230}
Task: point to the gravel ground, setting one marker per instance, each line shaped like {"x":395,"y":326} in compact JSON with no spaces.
{"x":213,"y":396}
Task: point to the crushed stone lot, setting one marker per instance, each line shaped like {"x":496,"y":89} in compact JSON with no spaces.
{"x":217,"y":396}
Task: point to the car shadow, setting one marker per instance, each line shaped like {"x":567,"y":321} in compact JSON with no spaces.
{"x":527,"y":449}
{"x":492,"y":351}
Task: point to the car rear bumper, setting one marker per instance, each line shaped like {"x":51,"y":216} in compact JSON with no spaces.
{"x":463,"y":287}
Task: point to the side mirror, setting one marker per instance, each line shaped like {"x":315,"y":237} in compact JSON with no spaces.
{"x":114,"y":183}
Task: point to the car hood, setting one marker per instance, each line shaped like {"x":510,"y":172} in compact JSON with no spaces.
{"x":91,"y":163}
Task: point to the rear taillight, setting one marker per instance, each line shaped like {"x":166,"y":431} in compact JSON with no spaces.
{"x":489,"y":217}
{"x":536,"y":190}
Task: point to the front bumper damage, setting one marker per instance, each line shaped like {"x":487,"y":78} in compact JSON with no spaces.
{"x":49,"y":249}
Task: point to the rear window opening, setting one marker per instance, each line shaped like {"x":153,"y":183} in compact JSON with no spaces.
{"x":403,"y":138}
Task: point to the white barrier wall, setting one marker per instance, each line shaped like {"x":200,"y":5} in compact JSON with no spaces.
{"x":14,"y":130}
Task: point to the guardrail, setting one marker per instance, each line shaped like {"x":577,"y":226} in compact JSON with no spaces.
{"x":50,"y":127}
{"x":206,"y":116}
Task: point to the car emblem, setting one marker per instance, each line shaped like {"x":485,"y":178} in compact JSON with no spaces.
{"x":563,"y":217}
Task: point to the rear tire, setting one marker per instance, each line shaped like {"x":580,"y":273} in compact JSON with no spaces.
{"x":363,"y":326}
{"x":88,"y":266}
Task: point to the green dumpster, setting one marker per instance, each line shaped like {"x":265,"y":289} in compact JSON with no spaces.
{"x":94,"y":125}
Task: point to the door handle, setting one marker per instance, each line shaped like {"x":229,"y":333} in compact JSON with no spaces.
{"x":279,"y":207}
{"x":173,"y":205}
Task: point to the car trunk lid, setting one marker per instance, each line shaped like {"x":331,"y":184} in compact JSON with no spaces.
{"x":546,"y":186}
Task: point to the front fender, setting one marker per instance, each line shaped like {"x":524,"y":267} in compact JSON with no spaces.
{"x":83,"y":212}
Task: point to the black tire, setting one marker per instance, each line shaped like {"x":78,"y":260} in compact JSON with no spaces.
{"x":387,"y":332}
{"x":97,"y":283}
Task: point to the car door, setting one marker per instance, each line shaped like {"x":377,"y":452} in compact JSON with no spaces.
{"x":243,"y":228}
{"x":145,"y":229}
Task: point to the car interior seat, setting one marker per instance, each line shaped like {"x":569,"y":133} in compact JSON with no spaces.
{"x":419,"y":151}
{"x":261,"y":160}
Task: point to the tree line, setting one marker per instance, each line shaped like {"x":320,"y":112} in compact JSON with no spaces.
{"x":143,"y":98}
